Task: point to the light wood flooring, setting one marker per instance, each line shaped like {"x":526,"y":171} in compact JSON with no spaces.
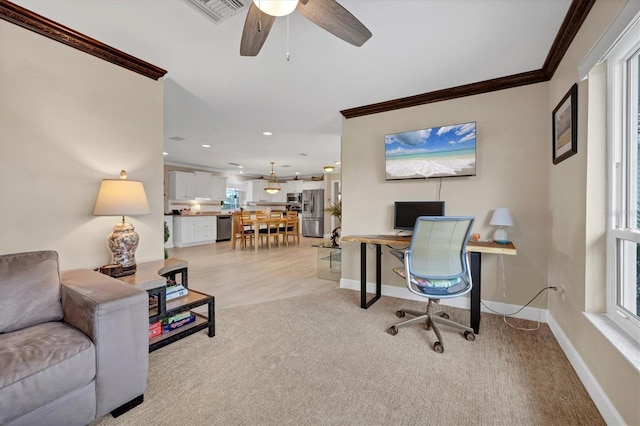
{"x":244,"y":277}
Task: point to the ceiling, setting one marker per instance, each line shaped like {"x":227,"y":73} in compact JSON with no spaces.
{"x":215,"y":97}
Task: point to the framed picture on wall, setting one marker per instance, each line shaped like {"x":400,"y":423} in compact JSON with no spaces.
{"x":565,"y":126}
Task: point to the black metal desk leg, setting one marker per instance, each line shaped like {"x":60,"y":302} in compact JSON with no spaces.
{"x":378,"y":271}
{"x":364,"y":304}
{"x":476,"y":262}
{"x":212,"y":318}
{"x":363,"y":275}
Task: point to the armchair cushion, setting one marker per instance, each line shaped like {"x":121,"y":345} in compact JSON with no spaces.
{"x":29,"y":289}
{"x":41,"y":364}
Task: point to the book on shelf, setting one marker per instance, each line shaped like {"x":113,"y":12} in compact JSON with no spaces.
{"x":155,"y":329}
{"x":177,"y":290}
{"x":180,"y":323}
{"x":176,"y":317}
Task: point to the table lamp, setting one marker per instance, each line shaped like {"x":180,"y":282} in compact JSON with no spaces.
{"x":122,"y":197}
{"x":501,"y":217}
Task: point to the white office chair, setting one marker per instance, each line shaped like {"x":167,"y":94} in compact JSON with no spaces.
{"x":437,"y":267}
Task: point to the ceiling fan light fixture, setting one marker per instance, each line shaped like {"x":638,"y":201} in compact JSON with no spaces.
{"x":273,"y":186}
{"x":276,"y":7}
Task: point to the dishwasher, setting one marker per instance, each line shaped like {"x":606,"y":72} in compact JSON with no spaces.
{"x":223,"y":228}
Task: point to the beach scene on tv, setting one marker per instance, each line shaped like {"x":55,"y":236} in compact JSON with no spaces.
{"x":435,"y":152}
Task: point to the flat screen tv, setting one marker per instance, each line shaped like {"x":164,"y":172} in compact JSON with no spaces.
{"x":431,"y":153}
{"x":405,"y":213}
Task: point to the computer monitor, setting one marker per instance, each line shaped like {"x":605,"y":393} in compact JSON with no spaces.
{"x":405,"y":213}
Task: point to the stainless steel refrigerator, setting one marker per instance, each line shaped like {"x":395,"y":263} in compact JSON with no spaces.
{"x":313,"y":213}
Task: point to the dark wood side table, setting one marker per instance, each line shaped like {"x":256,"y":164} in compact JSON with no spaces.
{"x":152,"y":277}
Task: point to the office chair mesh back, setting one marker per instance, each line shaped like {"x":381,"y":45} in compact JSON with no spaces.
{"x":436,"y":267}
{"x":438,"y":247}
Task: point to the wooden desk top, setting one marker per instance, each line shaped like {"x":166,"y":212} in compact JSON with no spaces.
{"x":472,"y":246}
{"x":148,"y":276}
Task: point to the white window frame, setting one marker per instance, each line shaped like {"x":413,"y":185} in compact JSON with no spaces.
{"x":622,"y":172}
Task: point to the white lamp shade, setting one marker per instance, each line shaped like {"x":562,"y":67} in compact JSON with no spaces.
{"x":276,"y":7}
{"x":501,"y":217}
{"x":121,"y":197}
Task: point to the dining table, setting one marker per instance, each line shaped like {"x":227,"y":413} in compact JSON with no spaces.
{"x":271,"y":224}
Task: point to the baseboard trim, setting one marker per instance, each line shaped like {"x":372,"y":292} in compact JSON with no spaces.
{"x":600,"y":399}
{"x":532,"y":314}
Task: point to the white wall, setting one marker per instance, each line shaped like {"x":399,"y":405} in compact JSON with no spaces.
{"x":67,"y":121}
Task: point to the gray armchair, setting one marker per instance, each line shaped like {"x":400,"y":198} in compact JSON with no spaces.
{"x":73,"y":347}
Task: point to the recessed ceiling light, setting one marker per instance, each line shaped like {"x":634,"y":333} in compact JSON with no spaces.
{"x":297,"y":173}
{"x":165,"y":153}
{"x":240,"y":167}
{"x":337,"y":163}
{"x":206,"y":146}
{"x":267,"y":133}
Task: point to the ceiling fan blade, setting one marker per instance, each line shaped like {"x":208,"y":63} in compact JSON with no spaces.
{"x":334,"y":18}
{"x":255,"y":32}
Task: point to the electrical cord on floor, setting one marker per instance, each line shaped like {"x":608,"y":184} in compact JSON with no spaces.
{"x":504,"y":296}
{"x":504,"y":316}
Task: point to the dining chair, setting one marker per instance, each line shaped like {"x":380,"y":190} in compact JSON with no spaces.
{"x":436,"y":266}
{"x":266,"y":227}
{"x":291,"y":227}
{"x":276,"y":226}
{"x":242,"y":229}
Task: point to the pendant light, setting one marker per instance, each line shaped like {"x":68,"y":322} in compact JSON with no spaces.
{"x":273,"y":187}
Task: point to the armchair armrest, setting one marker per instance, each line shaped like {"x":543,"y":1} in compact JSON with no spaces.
{"x":115,"y":316}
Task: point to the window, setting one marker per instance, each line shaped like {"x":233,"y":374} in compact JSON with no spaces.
{"x":231,"y":202}
{"x":623,"y":237}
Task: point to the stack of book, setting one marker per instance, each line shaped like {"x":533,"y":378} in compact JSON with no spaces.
{"x":177,"y":321}
{"x":176,"y":290}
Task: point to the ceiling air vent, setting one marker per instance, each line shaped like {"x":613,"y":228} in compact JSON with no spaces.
{"x":220,"y":10}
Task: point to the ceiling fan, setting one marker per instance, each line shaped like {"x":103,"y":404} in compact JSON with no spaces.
{"x":327,"y":14}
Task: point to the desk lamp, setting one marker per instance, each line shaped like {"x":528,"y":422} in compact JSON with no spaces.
{"x":501,"y":217}
{"x":122,"y":197}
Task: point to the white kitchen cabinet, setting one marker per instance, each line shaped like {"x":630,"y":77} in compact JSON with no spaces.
{"x":182,"y":185}
{"x":294,"y":186}
{"x":256,"y":192}
{"x":218,"y":188}
{"x":194,"y":230}
{"x":203,"y":185}
{"x":192,"y":185}
{"x":313,"y":184}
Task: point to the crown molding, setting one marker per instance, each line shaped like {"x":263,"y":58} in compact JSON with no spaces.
{"x":39,"y":24}
{"x":577,"y":13}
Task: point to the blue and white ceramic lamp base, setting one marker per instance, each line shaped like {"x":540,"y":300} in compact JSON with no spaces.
{"x":501,"y":236}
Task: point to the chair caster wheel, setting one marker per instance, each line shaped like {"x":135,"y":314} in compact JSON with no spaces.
{"x":437,"y":346}
{"x":469,"y":336}
{"x":392,"y":330}
{"x":400,"y":314}
{"x":445,"y":315}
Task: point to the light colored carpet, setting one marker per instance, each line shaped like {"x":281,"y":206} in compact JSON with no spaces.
{"x":320,"y":359}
